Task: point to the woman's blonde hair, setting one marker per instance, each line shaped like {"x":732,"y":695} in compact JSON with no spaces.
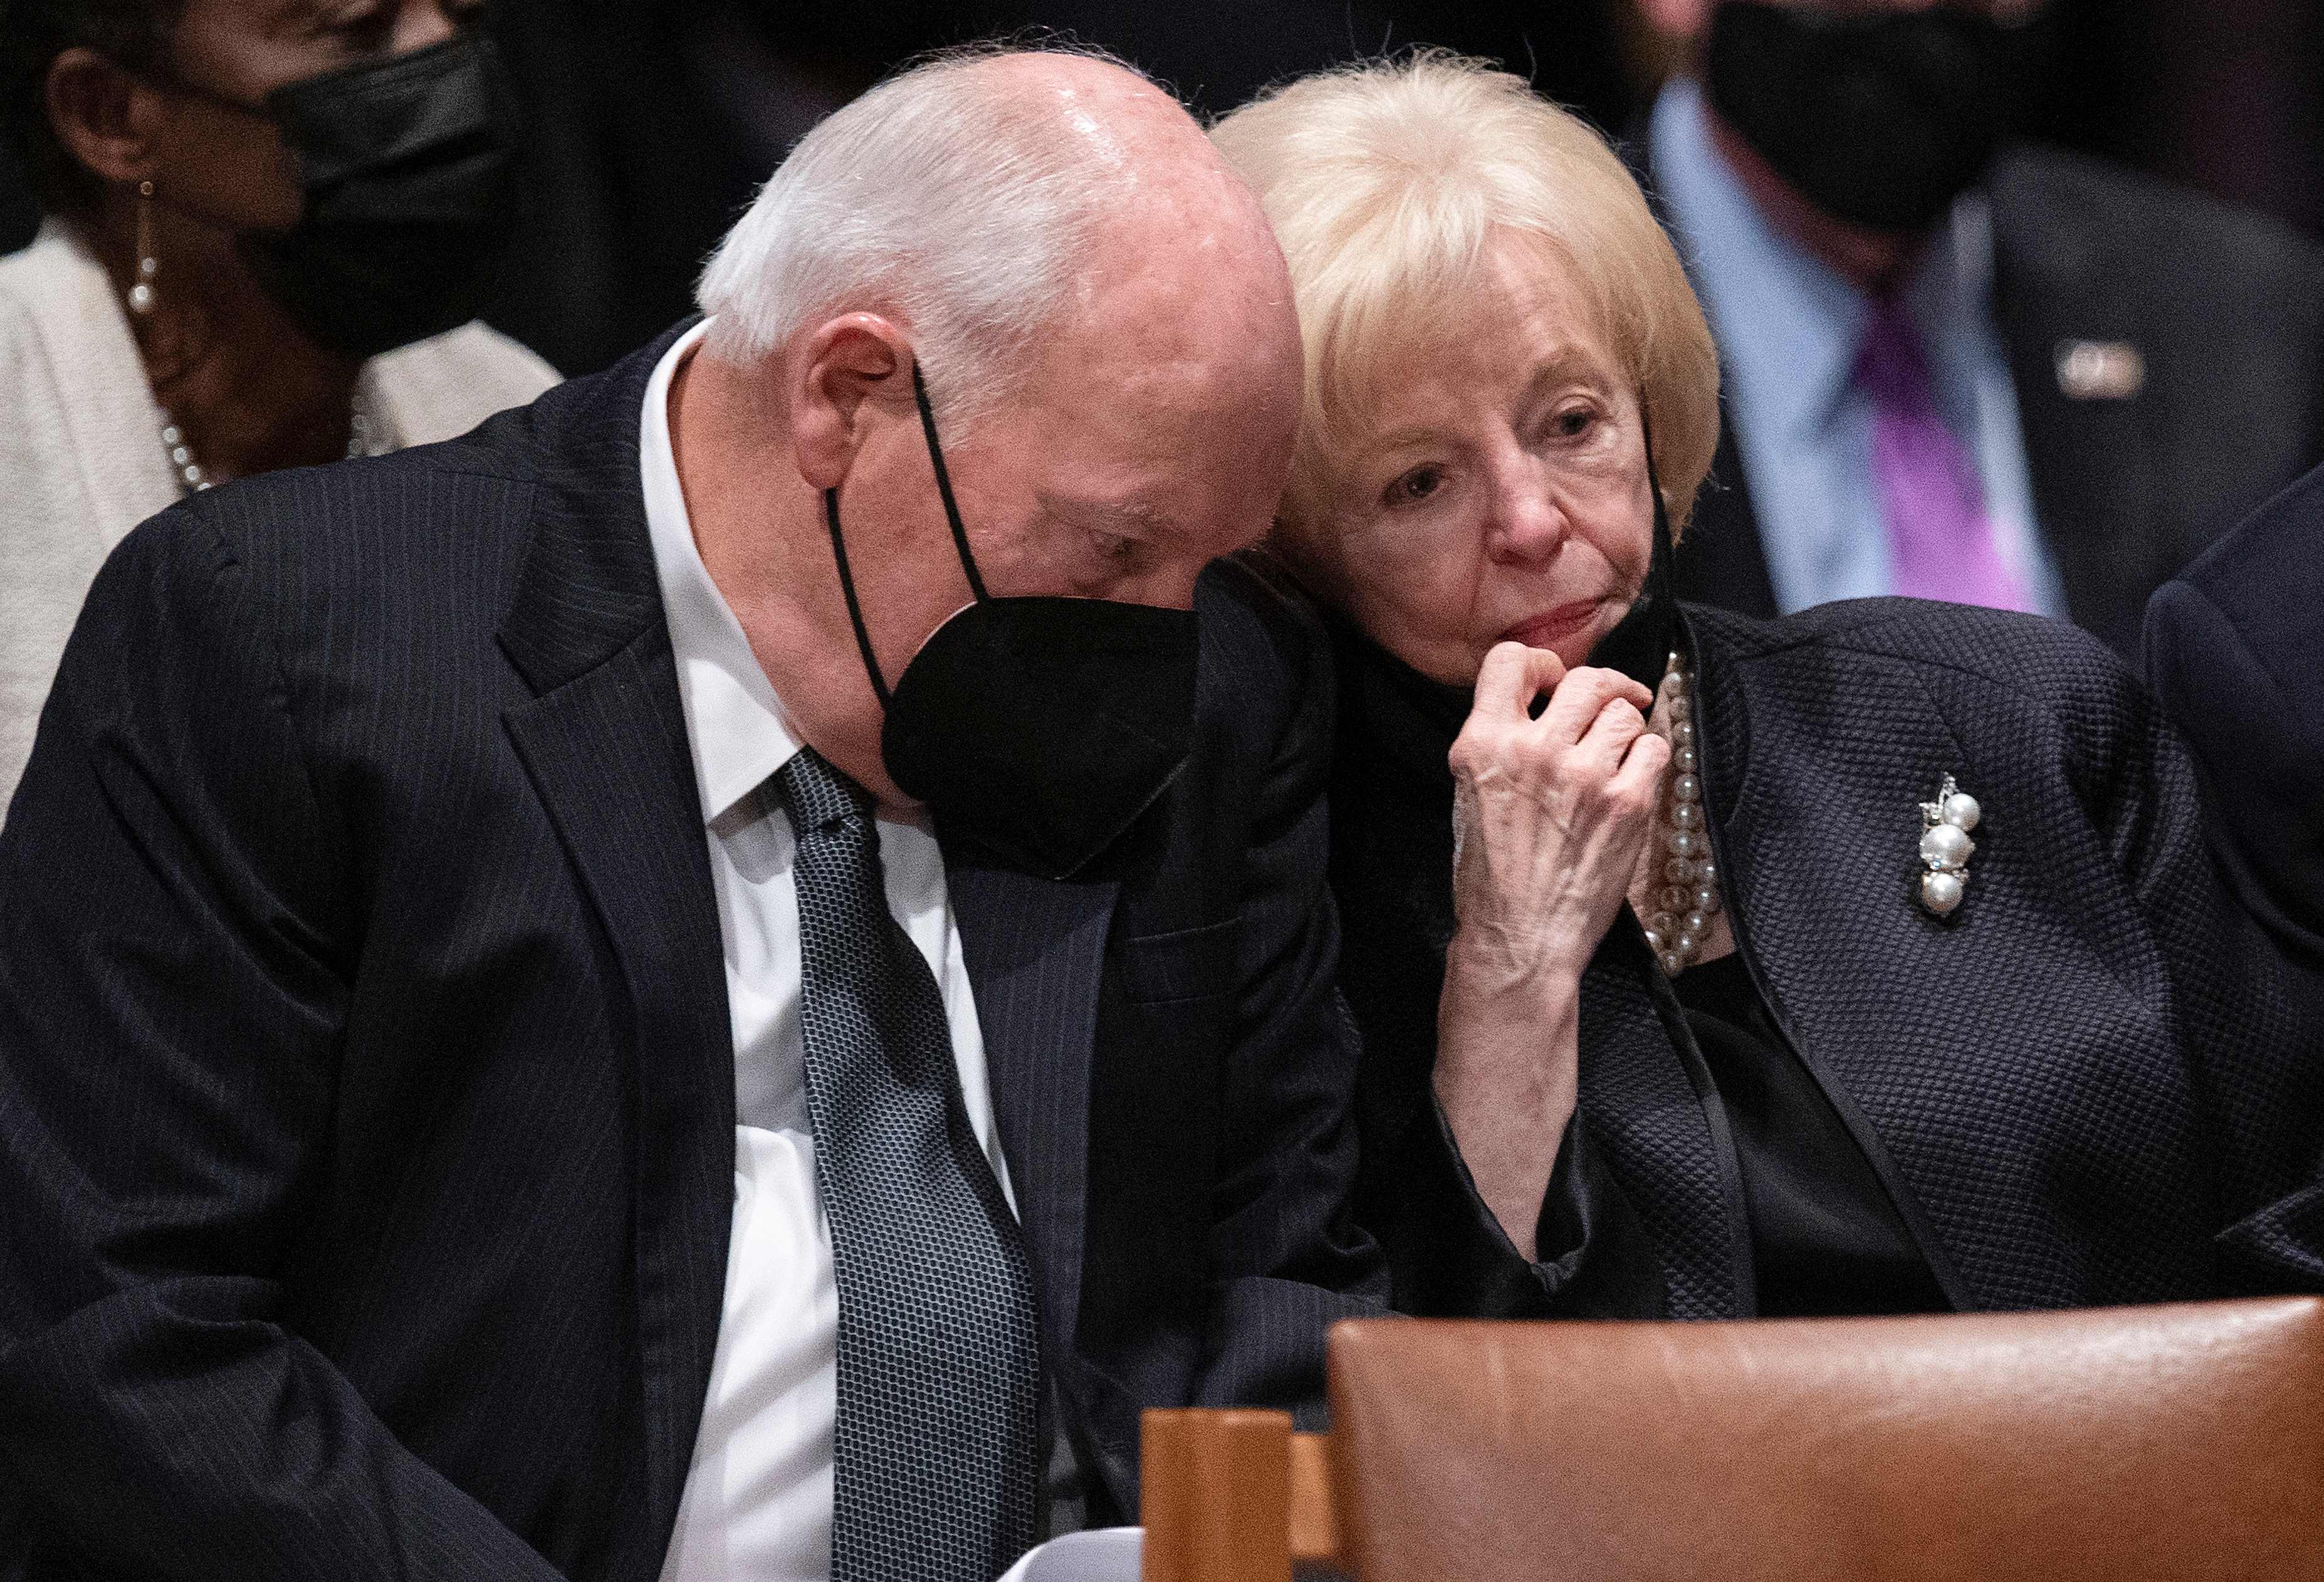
{"x":1388,"y":181}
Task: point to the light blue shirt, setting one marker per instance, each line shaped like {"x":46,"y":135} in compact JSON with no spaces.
{"x":1789,"y":330}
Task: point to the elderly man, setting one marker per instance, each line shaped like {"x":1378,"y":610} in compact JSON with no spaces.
{"x":698,"y":984}
{"x":1960,"y":368}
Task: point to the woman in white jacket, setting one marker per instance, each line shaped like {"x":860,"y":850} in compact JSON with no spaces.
{"x":263,"y":248}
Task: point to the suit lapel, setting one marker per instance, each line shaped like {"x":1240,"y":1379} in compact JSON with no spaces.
{"x":2094,"y":488}
{"x":1035,"y":953}
{"x":604,"y":741}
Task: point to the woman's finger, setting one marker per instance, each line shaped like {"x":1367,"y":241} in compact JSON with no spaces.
{"x":1512,"y":677}
{"x":1618,"y":723}
{"x":1641,"y":771}
{"x":1582,"y":695}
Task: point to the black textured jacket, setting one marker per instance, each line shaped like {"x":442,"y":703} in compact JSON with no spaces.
{"x":2094,"y":1083}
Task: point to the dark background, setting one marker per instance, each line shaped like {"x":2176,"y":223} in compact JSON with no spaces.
{"x":652,"y":120}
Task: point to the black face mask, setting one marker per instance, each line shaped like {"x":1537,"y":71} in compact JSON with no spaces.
{"x":408,"y":168}
{"x":1881,"y":121}
{"x":1038,"y":728}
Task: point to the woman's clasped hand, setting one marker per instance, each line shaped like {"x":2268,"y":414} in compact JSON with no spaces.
{"x":1552,"y":807}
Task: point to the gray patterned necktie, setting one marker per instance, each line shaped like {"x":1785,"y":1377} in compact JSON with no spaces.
{"x":937,"y":1444}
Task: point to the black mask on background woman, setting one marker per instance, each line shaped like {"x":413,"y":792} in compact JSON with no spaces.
{"x":407,"y":171}
{"x":1880,"y":120}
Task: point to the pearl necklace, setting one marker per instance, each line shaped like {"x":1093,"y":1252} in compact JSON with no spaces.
{"x":192,"y":479}
{"x":1688,"y":899}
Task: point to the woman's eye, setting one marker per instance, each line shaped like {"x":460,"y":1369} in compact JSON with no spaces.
{"x":1415,"y":486}
{"x":1112,"y":546}
{"x":1573,"y":422}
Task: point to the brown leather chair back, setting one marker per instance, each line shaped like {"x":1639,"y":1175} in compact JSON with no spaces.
{"x":2183,"y":1442}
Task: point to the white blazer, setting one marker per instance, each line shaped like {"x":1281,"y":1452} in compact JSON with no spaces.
{"x":81,"y":461}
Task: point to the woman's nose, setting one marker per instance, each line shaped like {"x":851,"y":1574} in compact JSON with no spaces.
{"x":1527,"y":523}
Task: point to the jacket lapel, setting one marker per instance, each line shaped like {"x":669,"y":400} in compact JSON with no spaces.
{"x":1821,"y":829}
{"x":1648,"y":1101}
{"x":1036,"y":953}
{"x":603,"y":740}
{"x":2092,"y":464}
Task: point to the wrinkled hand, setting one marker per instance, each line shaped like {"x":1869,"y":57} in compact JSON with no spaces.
{"x":1550,"y":819}
{"x":1550,"y":815}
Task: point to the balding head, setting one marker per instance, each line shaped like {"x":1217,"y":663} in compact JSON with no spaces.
{"x":988,"y":201}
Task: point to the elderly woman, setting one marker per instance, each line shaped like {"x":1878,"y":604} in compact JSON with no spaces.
{"x":268,"y":222}
{"x":1863,"y":961}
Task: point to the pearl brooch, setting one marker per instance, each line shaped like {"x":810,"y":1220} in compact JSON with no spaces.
{"x":1946,"y":847}
{"x":1688,"y":899}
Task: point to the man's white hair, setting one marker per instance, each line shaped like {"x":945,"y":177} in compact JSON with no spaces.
{"x":946,"y":197}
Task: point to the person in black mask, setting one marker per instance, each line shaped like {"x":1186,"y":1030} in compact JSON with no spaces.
{"x":1864,"y":960}
{"x":268,"y":228}
{"x":706,"y":981}
{"x":1960,"y":365}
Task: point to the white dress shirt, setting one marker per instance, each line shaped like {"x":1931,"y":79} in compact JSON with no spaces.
{"x":758,"y":1497}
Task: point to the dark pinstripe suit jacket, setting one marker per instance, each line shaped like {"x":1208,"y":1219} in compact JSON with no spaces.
{"x":366,"y":1096}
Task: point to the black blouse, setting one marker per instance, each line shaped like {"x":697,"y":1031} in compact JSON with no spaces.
{"x":1825,"y":1239}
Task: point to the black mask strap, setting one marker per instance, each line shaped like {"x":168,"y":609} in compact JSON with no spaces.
{"x":847,"y":590}
{"x":1641,"y":644}
{"x":952,"y":517}
{"x":943,"y":484}
{"x":1658,"y":571}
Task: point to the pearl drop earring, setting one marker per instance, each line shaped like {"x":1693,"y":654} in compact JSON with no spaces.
{"x":140,"y":295}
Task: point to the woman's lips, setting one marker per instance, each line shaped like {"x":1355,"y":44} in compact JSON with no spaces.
{"x":1550,"y":628}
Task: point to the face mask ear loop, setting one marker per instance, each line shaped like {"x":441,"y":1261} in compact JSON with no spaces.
{"x":847,"y":590}
{"x":944,"y":485}
{"x":1666,"y":542}
{"x":1653,"y":482}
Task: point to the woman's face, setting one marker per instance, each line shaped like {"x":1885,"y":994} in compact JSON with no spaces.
{"x":229,"y":164}
{"x":1500,"y":491}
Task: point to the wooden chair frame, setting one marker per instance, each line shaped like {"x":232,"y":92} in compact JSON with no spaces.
{"x":1235,"y":1496}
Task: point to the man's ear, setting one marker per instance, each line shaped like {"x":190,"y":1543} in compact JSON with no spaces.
{"x":844,"y":371}
{"x":105,"y":118}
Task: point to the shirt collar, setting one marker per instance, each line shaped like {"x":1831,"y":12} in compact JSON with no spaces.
{"x":735,"y":724}
{"x":1777,"y":309}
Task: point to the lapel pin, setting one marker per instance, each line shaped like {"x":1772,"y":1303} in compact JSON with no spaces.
{"x":2100,"y":370}
{"x":1946,"y":847}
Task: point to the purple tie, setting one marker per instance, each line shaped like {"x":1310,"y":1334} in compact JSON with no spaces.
{"x":1940,"y":540}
